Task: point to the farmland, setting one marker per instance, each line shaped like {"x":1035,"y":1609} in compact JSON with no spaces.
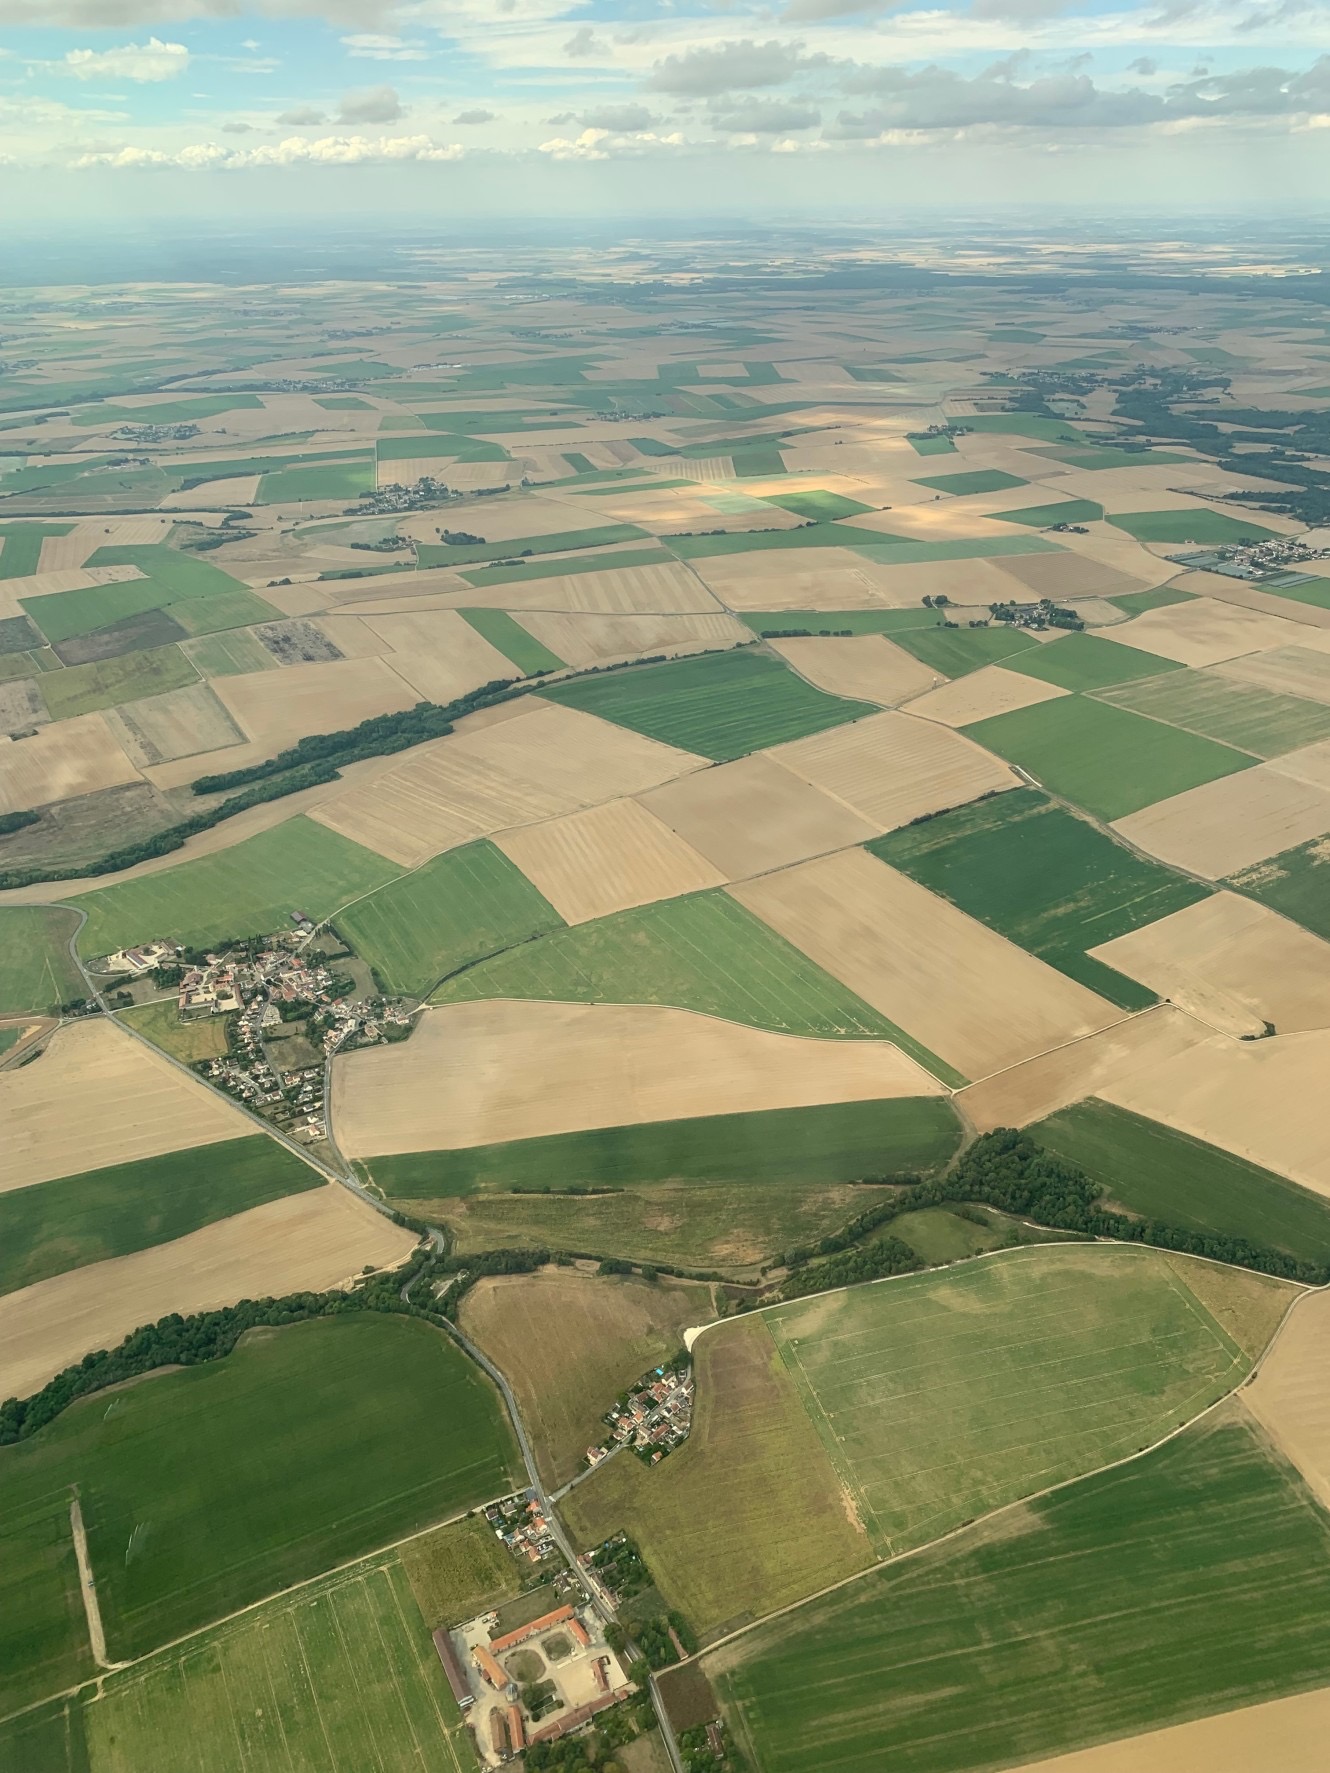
{"x":720,"y":707}
{"x":21,"y":546}
{"x":1060,"y":511}
{"x":161,"y":1023}
{"x":513,"y":641}
{"x":52,"y":1227}
{"x":333,"y":480}
{"x":1048,"y":880}
{"x":956,"y":651}
{"x":81,"y":689}
{"x":1089,"y":662}
{"x":1292,"y":883}
{"x":458,"y":1570}
{"x":1234,"y":713}
{"x":36,"y":970}
{"x":1205,"y":527}
{"x":441,"y":919}
{"x":981,"y":480}
{"x":287,"y":1452}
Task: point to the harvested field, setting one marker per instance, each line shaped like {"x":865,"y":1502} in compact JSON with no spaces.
{"x":569,"y":1342}
{"x":1288,"y":670}
{"x":1290,"y":1395}
{"x":1203,"y":632}
{"x":543,"y":761}
{"x":67,"y":758}
{"x":1063,"y":575}
{"x":82,"y":689}
{"x":236,"y":654}
{"x":440,"y":655}
{"x":1286,"y":1733}
{"x":181,"y":723}
{"x":21,"y":706}
{"x":582,"y":640}
{"x":475,"y":1073}
{"x":965,"y":992}
{"x":1227,"y":825}
{"x":608,"y":858}
{"x":865,"y":667}
{"x":1226,"y":708}
{"x":668,"y":588}
{"x":1232,"y":963}
{"x":1087,"y":1067}
{"x":1259,"y":1099}
{"x":831,"y":578}
{"x":277,"y":708}
{"x":319,"y":1239}
{"x":981,"y":694}
{"x":752,"y":815}
{"x":94,"y":1081}
{"x":749,"y":1514}
{"x":893,"y":768}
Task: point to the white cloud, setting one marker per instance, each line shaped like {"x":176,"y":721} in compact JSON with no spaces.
{"x":153,"y":60}
{"x":302,"y":117}
{"x":370,"y":46}
{"x":376,"y":104}
{"x":330,"y":150}
{"x":604,"y":144}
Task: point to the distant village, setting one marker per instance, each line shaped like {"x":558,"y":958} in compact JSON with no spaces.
{"x":652,"y":1418}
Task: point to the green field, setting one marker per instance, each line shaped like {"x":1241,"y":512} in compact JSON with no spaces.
{"x":55,"y":1226}
{"x":63,"y":614}
{"x":1192,"y":1581}
{"x":1137,"y":602}
{"x":955,"y":652}
{"x":923,"y":444}
{"x":49,"y":1739}
{"x":214,"y":612}
{"x":21,"y":546}
{"x":247,"y":890}
{"x":326,"y":480}
{"x":520,"y":570}
{"x":978,"y":480}
{"x":228,"y":655}
{"x":605,"y":535}
{"x":44,"y":1645}
{"x":1210,"y":528}
{"x":338,"y":1678}
{"x":838,"y":621}
{"x":1157,"y":1173}
{"x":168,"y":412}
{"x":1293,"y":882}
{"x":704,"y":952}
{"x":1313,"y":591}
{"x":1059,"y":511}
{"x":719,"y":705}
{"x":1022,"y":424}
{"x":36,"y":971}
{"x":463,"y":905}
{"x":1049,"y":881}
{"x":512,"y":640}
{"x":812,"y":535}
{"x":1081,"y":661}
{"x":821,"y":507}
{"x":460,"y":1570}
{"x":942,"y":1396}
{"x":1093,"y":461}
{"x":1235,"y":713}
{"x":175,"y":574}
{"x":82,"y":689}
{"x":831,"y":1143}
{"x":205,"y":1490}
{"x":1104,"y":759}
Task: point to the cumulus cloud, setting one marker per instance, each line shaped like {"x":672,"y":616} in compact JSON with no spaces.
{"x":604,"y":144}
{"x":331,"y":150}
{"x":625,"y":119}
{"x":583,"y":42}
{"x":302,"y":117}
{"x":237,"y":128}
{"x":732,"y":67}
{"x":760,"y":116}
{"x":475,"y":117}
{"x":370,"y":46}
{"x":115,"y":14}
{"x":153,"y":60}
{"x":375,"y":104}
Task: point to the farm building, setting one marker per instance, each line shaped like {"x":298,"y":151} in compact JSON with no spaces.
{"x":452,"y":1667}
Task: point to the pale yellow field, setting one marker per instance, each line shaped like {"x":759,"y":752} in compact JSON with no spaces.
{"x":752,"y":815}
{"x":1284,"y":1734}
{"x":545,"y":761}
{"x":606,"y":859}
{"x":812,"y":578}
{"x":96,"y":1097}
{"x":438,"y":654}
{"x":304,"y":1242}
{"x":1290,"y":1393}
{"x":892,"y":768}
{"x":591,"y":640}
{"x":181,"y":723}
{"x":1233,"y":963}
{"x":61,"y":552}
{"x":969,"y":995}
{"x":1299,"y":670}
{"x":353,"y":637}
{"x":1204,"y":632}
{"x":865,"y":667}
{"x":276,"y":708}
{"x":613,"y":591}
{"x":1302,"y":615}
{"x":66,"y":758}
{"x":1230,"y":824}
{"x":990,"y":690}
{"x":1263,"y":1099}
{"x":1064,"y":575}
{"x":477,"y":1073}
{"x":241,"y":489}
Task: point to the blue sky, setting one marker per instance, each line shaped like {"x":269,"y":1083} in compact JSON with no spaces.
{"x":531,"y":107}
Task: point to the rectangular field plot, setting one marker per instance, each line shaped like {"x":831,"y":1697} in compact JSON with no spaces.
{"x":247,"y":890}
{"x":36,"y":971}
{"x":1295,"y":883}
{"x":1164,"y":1175}
{"x":458,"y":908}
{"x":954,"y":651}
{"x":1199,"y":525}
{"x":1108,"y":761}
{"x":44,"y":1644}
{"x":512,"y":640}
{"x":1230,"y":825}
{"x":82,"y":689}
{"x":1224,"y":708}
{"x":1051,"y":882}
{"x":1088,"y":661}
{"x":1193,"y":1580}
{"x":721,"y":706}
{"x":943,"y":1396}
{"x":336,"y":1679}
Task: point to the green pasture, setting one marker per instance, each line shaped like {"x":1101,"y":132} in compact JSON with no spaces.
{"x":1192,"y":1581}
{"x":1057,"y":511}
{"x":460,"y":907}
{"x":818,"y":506}
{"x":1081,"y":661}
{"x":1051,"y":882}
{"x":512,"y":640}
{"x":48,"y":1739}
{"x":1105,"y":759}
{"x":924,"y":444}
{"x":206,"y":1489}
{"x":606,"y":535}
{"x":978,"y":480}
{"x":830,"y":1143}
{"x":955,"y":652}
{"x":247,"y":890}
{"x":82,"y":689}
{"x":233,"y":654}
{"x":520,"y":570}
{"x":318,"y":480}
{"x":21,"y":545}
{"x":44,"y":1646}
{"x":217,"y":611}
{"x":1202,"y":526}
{"x":718,"y":705}
{"x":37,"y":973}
{"x":51,"y":1227}
{"x":1136,"y":603}
{"x":1156,"y":1173}
{"x":1235,"y":713}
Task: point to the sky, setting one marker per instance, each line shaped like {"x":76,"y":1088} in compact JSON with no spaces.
{"x":467,"y":109}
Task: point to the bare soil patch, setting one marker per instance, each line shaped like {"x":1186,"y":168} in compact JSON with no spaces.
{"x":1204,"y":632}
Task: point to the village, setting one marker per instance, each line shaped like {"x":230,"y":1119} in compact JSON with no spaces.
{"x":653,"y":1417}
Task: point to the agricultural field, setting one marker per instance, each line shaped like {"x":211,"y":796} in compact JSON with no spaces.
{"x":1292,"y":883}
{"x":1201,"y":526}
{"x":513,"y":641}
{"x":1241,"y":714}
{"x":37,"y":971}
{"x":189,"y":1042}
{"x":955,"y":651}
{"x":457,"y":1570}
{"x":82,"y":689}
{"x":1090,"y":662}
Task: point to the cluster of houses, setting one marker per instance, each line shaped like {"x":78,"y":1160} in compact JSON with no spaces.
{"x":520,"y":1522}
{"x":1285,"y":560}
{"x":426,"y":492}
{"x":653,"y":1417}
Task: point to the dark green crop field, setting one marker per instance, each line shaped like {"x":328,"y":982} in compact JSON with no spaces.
{"x":1050,"y":881}
{"x":1089,"y":662}
{"x":512,"y":640}
{"x":1193,"y":1580}
{"x":955,"y":652}
{"x":978,"y":480}
{"x":721,"y":705}
{"x":1296,"y":882}
{"x":52,"y":1227}
{"x":1059,"y":511}
{"x":1204,"y":527}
